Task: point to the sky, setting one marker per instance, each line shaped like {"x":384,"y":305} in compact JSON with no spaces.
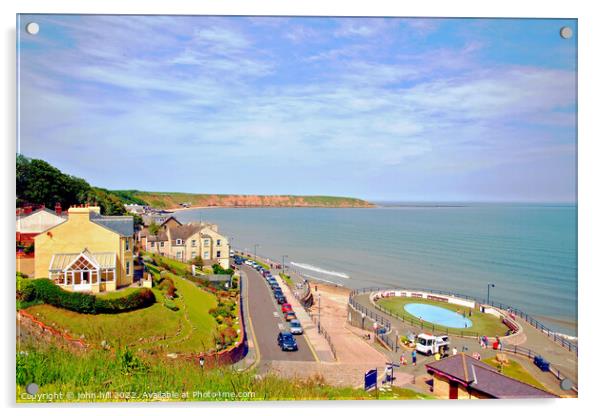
{"x":402,"y":109}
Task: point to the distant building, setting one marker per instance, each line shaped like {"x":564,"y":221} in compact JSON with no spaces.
{"x":185,"y":242}
{"x":88,"y":252}
{"x":31,"y":223}
{"x":463,"y":377}
{"x":135,"y":208}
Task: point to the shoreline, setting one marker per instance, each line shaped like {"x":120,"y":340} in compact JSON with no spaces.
{"x":179,"y":209}
{"x":342,"y":288}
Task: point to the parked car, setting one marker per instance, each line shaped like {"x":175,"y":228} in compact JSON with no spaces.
{"x":289,"y":316}
{"x":295,"y":327}
{"x":275,"y":286}
{"x":281,"y":299}
{"x":286,"y":307}
{"x":278,"y":293}
{"x":287,"y":342}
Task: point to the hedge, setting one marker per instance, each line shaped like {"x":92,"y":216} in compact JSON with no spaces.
{"x":46,"y":291}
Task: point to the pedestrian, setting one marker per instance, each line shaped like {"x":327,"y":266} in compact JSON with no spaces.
{"x":486,"y":341}
{"x":437,"y":356}
{"x":414,"y":357}
{"x":454,"y":351}
{"x":402,"y":359}
{"x":202,"y":362}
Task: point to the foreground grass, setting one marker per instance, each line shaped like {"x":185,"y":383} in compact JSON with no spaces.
{"x":98,"y":375}
{"x":482,"y":323}
{"x":516,"y":371}
{"x":156,"y":328}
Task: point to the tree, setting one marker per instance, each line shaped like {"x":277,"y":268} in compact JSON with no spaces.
{"x":154,"y":228}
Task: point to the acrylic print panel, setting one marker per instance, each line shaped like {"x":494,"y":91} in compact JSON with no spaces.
{"x":420,"y":240}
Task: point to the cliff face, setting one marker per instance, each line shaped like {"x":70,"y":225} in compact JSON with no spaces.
{"x":173,"y":200}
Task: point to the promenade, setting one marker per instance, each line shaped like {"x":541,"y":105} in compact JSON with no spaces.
{"x":532,"y":338}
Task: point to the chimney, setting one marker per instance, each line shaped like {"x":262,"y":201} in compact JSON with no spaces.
{"x":58,"y":209}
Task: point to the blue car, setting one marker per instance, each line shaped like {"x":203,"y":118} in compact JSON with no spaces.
{"x":287,"y":342}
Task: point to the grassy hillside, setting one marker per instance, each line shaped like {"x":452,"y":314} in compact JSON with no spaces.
{"x":101,"y":376}
{"x":155,"y":329}
{"x":168,"y":200}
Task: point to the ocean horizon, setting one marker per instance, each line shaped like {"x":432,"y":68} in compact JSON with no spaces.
{"x":528,"y":250}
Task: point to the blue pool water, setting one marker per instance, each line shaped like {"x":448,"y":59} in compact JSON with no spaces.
{"x":437,"y":315}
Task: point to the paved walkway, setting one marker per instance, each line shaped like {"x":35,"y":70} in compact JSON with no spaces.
{"x":534,"y":339}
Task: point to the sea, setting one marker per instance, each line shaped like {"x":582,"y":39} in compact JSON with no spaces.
{"x":528,"y":251}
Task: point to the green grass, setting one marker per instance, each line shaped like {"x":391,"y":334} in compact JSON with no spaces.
{"x":264,"y":265}
{"x":516,"y":371}
{"x":156,"y":328}
{"x":482,"y":323}
{"x":87,"y":374}
{"x":287,"y":279}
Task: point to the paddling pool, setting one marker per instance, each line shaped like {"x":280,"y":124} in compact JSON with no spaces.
{"x":437,"y":315}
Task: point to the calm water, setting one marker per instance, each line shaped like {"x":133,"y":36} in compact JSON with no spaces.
{"x":528,"y":251}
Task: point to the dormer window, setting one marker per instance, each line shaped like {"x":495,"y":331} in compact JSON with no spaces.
{"x":219,"y":242}
{"x":179,"y":242}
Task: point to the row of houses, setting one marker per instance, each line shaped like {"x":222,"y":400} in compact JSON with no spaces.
{"x":186,"y":242}
{"x":82,"y":250}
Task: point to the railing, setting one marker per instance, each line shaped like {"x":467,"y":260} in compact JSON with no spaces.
{"x":324,"y":333}
{"x":517,"y":312}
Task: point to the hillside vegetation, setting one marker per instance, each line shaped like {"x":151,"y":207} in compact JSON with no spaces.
{"x":38,"y":182}
{"x":169,"y":200}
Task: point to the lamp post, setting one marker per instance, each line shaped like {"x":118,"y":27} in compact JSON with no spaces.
{"x":489,"y":286}
{"x":283,"y":257}
{"x":319,"y":327}
{"x":255,"y":251}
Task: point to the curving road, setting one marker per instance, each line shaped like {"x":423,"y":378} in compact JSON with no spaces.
{"x":266,"y":320}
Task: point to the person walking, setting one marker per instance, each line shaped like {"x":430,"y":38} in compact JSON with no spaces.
{"x":414,"y":357}
{"x":454,"y":351}
{"x":402,"y":359}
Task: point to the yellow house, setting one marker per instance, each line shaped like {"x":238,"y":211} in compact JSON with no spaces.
{"x":88,"y":252}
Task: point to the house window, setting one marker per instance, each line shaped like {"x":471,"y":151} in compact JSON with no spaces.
{"x":179,"y":254}
{"x":206,"y":255}
{"x":127,"y":268}
{"x":219,"y":242}
{"x":127,"y":244}
{"x":193,"y":243}
{"x":152,"y":244}
{"x":179,"y":242}
{"x":193,"y":254}
{"x":218,"y":254}
{"x":162,"y":244}
{"x":206,"y":242}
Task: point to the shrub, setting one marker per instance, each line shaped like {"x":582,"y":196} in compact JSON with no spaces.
{"x":46,"y":291}
{"x":170,"y":304}
{"x":218,"y":269}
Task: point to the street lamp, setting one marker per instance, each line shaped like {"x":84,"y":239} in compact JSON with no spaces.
{"x":283,"y":257}
{"x":319,"y":327}
{"x":255,"y":250}
{"x":489,"y":286}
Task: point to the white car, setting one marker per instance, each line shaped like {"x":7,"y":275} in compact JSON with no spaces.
{"x":295,"y":327}
{"x":248,"y":262}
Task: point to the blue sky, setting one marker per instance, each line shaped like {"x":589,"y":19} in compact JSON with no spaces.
{"x":379,"y":108}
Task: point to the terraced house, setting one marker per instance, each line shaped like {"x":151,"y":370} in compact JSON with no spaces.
{"x":88,"y":252}
{"x":185,"y":242}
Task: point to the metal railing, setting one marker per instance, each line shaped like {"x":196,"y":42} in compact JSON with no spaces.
{"x":517,"y":312}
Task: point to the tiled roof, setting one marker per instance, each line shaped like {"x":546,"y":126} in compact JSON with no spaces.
{"x":484,"y":378}
{"x":122,"y":225}
{"x":185,"y":231}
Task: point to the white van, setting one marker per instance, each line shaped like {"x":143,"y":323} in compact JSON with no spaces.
{"x":429,"y":344}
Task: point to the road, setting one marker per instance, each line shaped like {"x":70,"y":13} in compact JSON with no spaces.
{"x":267,"y":321}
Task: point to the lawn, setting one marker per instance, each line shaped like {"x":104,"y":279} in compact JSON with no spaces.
{"x":482,"y":323}
{"x":156,"y":328}
{"x":89,"y":374}
{"x":516,"y":371}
